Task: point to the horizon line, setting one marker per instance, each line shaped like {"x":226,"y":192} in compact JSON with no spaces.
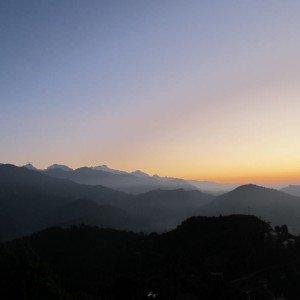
{"x":228,"y":180}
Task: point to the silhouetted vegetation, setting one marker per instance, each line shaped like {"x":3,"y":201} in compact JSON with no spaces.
{"x":231,"y":257}
{"x":24,"y":275}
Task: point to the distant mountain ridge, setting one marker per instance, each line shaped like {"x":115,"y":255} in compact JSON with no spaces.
{"x":272,"y":205}
{"x":29,"y":166}
{"x":57,"y":166}
{"x":292,"y":190}
{"x":27,"y":196}
{"x":107,"y":169}
{"x":32,"y":200}
{"x":134,"y":182}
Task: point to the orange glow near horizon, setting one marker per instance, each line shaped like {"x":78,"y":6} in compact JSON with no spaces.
{"x":193,"y":91}
{"x":285,"y":178}
{"x":222,"y":175}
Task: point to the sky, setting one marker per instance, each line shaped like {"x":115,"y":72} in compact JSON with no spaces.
{"x":206,"y":90}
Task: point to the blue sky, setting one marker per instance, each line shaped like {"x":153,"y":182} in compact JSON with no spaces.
{"x":195,"y":89}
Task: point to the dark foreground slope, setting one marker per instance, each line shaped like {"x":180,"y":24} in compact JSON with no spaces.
{"x":232,"y":257}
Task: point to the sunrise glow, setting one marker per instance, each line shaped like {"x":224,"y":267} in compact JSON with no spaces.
{"x":181,"y":89}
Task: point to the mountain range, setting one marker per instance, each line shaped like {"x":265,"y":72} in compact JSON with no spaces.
{"x":31,"y":200}
{"x":130,"y":182}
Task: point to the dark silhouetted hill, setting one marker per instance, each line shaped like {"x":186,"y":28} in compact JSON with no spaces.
{"x":229,"y":257}
{"x":84,"y":211}
{"x":26,"y":196}
{"x":269,"y":204}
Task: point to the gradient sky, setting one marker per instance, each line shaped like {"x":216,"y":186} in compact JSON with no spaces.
{"x":206,"y":90}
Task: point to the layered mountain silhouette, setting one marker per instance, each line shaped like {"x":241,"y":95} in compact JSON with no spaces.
{"x":32,"y":200}
{"x":26,"y":196}
{"x":131,"y":182}
{"x":19,"y":177}
{"x":135,"y":183}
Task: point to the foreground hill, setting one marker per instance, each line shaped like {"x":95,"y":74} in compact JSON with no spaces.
{"x":270,"y":204}
{"x":230,"y":257}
